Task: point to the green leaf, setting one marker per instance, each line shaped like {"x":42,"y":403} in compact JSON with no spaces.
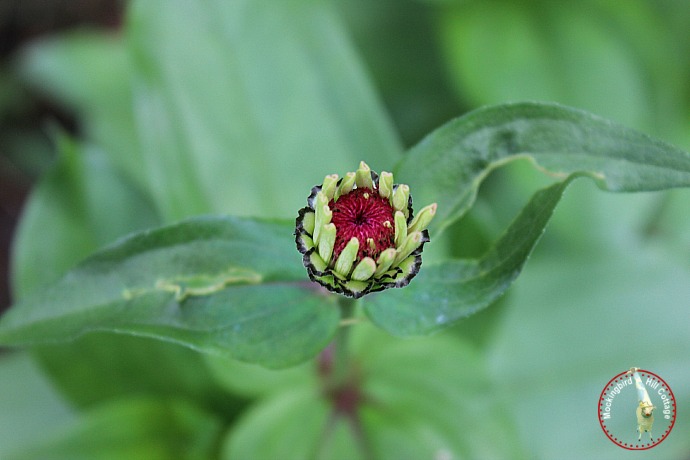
{"x":243,"y":106}
{"x":86,"y":203}
{"x":395,"y":41}
{"x":411,"y":407}
{"x":575,"y":321}
{"x":448,"y":166}
{"x":450,"y":290}
{"x":101,"y":366}
{"x":292,"y":420}
{"x":250,"y":380}
{"x":89,"y":72}
{"x":431,"y":397}
{"x":216,"y":284}
{"x":550,"y":52}
{"x":28,"y":401}
{"x":131,"y":428}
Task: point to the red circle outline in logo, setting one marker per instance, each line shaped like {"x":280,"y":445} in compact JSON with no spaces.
{"x":630,"y":446}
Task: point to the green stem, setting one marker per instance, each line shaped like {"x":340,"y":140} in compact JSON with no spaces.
{"x":341,"y":355}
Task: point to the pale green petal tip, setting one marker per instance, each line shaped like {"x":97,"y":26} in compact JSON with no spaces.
{"x":412,"y":242}
{"x":323,"y":217}
{"x":308,"y":222}
{"x":347,"y":257}
{"x":400,"y":200}
{"x":330,"y":183}
{"x":400,"y":228}
{"x":384,"y":262}
{"x":317,"y":262}
{"x":422,"y":220}
{"x":364,"y":269}
{"x":346,"y":185}
{"x":363,"y":176}
{"x":386,"y":184}
{"x":327,"y":242}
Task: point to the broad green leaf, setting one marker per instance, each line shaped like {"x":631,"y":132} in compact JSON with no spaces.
{"x":135,"y":428}
{"x":86,"y":203}
{"x":448,"y":165}
{"x":444,"y":292}
{"x":242,"y":104}
{"x":216,"y":284}
{"x":29,"y":404}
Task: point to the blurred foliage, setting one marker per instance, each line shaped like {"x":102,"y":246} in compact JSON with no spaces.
{"x":606,"y":290}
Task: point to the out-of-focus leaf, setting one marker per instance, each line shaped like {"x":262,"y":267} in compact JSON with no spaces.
{"x":561,"y":52}
{"x":448,"y":166}
{"x":89,"y":72}
{"x":29,"y":404}
{"x":444,"y":292}
{"x":102,"y":366}
{"x":251,"y":380}
{"x":223,"y":285}
{"x":241,"y":103}
{"x":421,"y":398}
{"x":431,"y":398}
{"x":292,"y":420}
{"x":575,"y":321}
{"x":406,"y":66}
{"x":131,"y":428}
{"x":78,"y":206}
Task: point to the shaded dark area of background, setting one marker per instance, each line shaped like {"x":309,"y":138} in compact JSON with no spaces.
{"x":27,"y":112}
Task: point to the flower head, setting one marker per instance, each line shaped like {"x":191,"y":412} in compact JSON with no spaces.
{"x":358,"y":233}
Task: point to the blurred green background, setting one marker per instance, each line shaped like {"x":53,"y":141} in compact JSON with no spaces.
{"x":119,"y":117}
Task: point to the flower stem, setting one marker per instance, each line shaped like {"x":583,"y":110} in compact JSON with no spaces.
{"x":342,"y":387}
{"x":341,"y":356}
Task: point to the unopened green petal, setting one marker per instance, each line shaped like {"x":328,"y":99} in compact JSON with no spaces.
{"x":323,"y":215}
{"x":385,"y":261}
{"x":347,"y":257}
{"x":364,"y":269}
{"x":356,"y":287}
{"x":329,"y":186}
{"x":363,"y":176}
{"x":326,"y":242}
{"x":407,"y":265}
{"x":307,"y":241}
{"x":411,"y":243}
{"x":346,"y":186}
{"x":308,"y":222}
{"x":400,"y":228}
{"x":317,"y":262}
{"x":422,"y":220}
{"x":386,"y":184}
{"x":401,"y":197}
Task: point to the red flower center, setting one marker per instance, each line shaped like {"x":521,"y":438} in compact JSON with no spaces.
{"x":367,"y":216}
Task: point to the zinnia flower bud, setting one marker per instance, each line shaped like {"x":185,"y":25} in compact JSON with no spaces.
{"x":358,"y":234}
